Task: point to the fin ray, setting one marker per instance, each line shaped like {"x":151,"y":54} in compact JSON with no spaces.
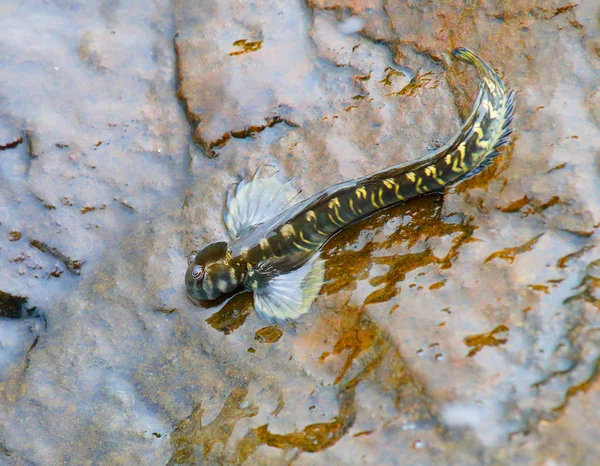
{"x":253,"y":202}
{"x":289,"y":296}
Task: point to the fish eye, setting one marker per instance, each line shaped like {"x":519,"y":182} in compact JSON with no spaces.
{"x":192,"y":257}
{"x":196,"y":271}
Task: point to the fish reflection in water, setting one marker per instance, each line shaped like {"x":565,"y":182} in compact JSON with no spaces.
{"x":274,"y":236}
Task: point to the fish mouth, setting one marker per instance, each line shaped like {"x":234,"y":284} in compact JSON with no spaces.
{"x":194,"y":294}
{"x":207,"y":303}
{"x":192,"y":298}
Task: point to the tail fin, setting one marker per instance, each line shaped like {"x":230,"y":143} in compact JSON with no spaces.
{"x":496,"y":118}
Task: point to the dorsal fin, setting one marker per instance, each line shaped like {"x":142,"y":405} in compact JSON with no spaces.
{"x":256,"y":201}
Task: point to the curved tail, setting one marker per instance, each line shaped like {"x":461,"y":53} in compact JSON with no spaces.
{"x":490,"y":125}
{"x":473,"y":148}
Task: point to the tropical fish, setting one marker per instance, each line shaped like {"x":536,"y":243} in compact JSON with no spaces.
{"x":275,"y":236}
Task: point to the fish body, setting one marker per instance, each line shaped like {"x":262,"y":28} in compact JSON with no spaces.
{"x":274,"y":238}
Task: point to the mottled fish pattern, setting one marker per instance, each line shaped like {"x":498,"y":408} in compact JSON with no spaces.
{"x":273,"y":251}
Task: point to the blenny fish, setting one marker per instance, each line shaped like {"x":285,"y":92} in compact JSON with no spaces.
{"x":275,"y":236}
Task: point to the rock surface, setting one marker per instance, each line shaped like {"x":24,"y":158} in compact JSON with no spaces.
{"x":455,"y":329}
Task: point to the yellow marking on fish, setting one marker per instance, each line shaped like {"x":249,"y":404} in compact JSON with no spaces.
{"x":333,"y":221}
{"x":419,"y":189}
{"x":461,"y":151}
{"x":455,"y":168}
{"x":361,"y":192}
{"x":287,"y":230}
{"x":264,"y":243}
{"x":398,"y":195}
{"x":337,"y":215}
{"x":477,"y":130}
{"x":320,"y":232}
{"x":373,"y":200}
{"x":484,"y":144}
{"x":310,"y":215}
{"x":305,"y":240}
{"x":302,"y":248}
{"x":222,"y":286}
{"x":335,"y":204}
{"x":392,"y":181}
{"x":494,"y":114}
{"x":432,"y":171}
{"x":388,"y":184}
{"x":490,"y":84}
{"x":381,"y":196}
{"x":448,"y":159}
{"x":411,"y":176}
{"x":351,"y":203}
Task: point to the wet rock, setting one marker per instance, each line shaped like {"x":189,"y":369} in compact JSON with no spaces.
{"x":15,"y":235}
{"x":190,"y":434}
{"x":10,"y":135}
{"x":455,"y":329}
{"x":12,"y":143}
{"x":301,"y":94}
{"x":73,"y":265}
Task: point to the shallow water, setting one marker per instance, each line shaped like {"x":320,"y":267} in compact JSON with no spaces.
{"x":454,"y":329}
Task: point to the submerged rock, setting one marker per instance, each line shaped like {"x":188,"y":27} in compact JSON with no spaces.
{"x":455,"y":329}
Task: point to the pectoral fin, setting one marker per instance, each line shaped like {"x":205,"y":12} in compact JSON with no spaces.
{"x":253,"y":202}
{"x":288,"y":296}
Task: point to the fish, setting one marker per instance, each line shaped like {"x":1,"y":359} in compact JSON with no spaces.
{"x":275,"y":236}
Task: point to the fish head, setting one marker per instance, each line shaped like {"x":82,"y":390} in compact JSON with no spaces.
{"x":203,"y":280}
